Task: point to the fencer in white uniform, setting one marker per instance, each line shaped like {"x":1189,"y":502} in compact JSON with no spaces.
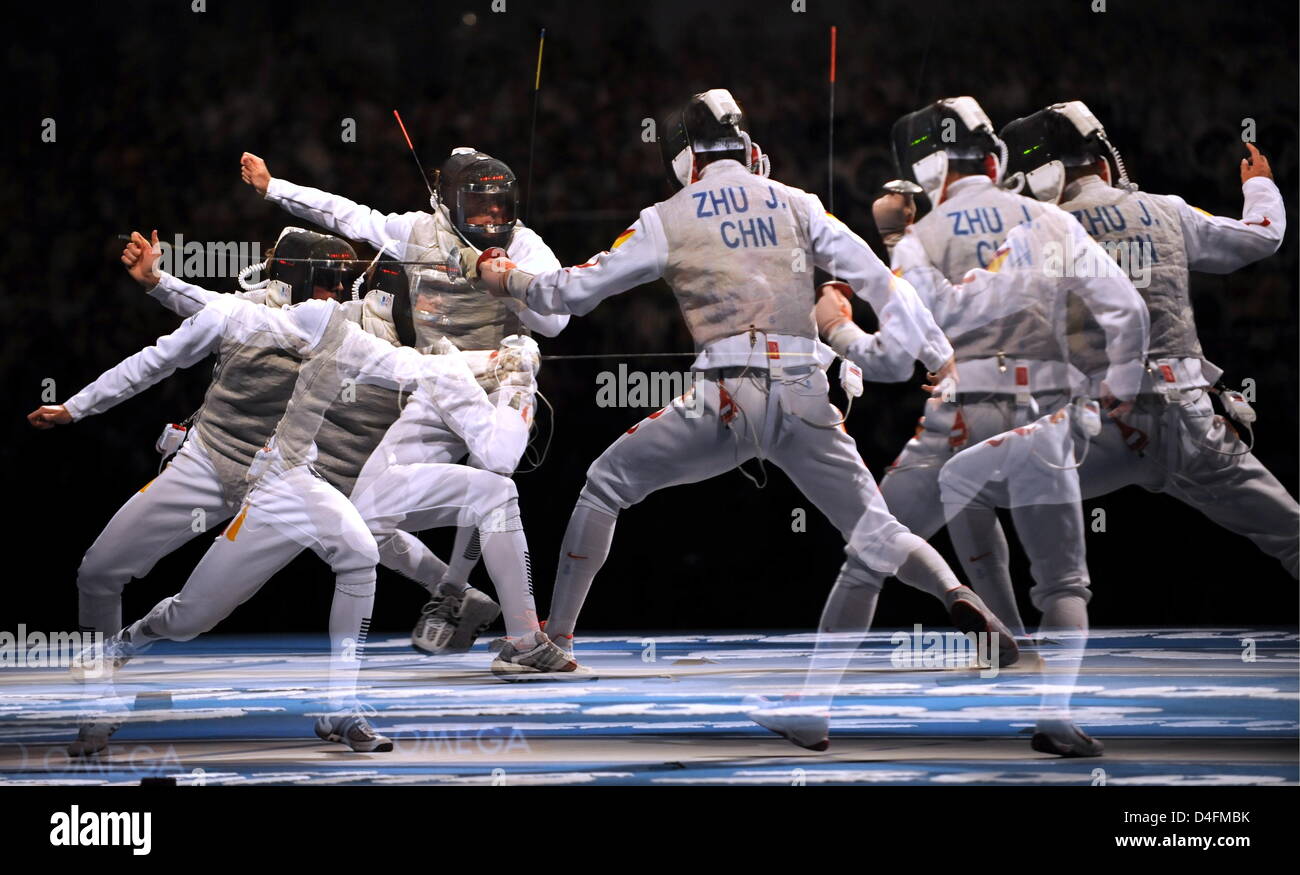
{"x":738,"y":251}
{"x":287,"y":495}
{"x":1167,"y":438}
{"x":1008,"y":325}
{"x":1012,"y":365}
{"x":1171,"y":441}
{"x":475,"y":207}
{"x":203,"y":484}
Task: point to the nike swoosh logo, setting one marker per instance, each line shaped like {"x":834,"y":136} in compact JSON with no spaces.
{"x":575,"y":556}
{"x":980,"y":556}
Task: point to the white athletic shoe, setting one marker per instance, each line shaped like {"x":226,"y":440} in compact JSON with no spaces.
{"x":99,"y":662}
{"x":786,"y":718}
{"x":564,"y":642}
{"x":1063,"y":738}
{"x":543,"y":657}
{"x":451,"y":621}
{"x":354,"y":730}
{"x":92,"y":738}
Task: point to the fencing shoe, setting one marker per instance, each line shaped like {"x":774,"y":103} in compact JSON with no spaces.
{"x":532,"y":654}
{"x":970,"y":614}
{"x":451,"y":621}
{"x":100,"y":661}
{"x":92,"y":737}
{"x":804,"y":726}
{"x":564,"y":642}
{"x":354,"y":730}
{"x":1063,"y":738}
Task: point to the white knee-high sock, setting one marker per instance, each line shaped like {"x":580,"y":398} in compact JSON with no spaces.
{"x":981,"y":545}
{"x":410,"y":557}
{"x":846,"y":617}
{"x":464,"y":556}
{"x":582,"y":553}
{"x":1065,"y":619}
{"x":924,"y":569}
{"x":505,"y":554}
{"x":354,"y":599}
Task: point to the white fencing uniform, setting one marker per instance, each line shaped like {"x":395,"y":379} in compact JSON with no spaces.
{"x":350,"y":431}
{"x":289,"y":497}
{"x":738,"y":252}
{"x":1173,"y":442}
{"x":474,"y":322}
{"x":203,"y":484}
{"x":1019,"y":305}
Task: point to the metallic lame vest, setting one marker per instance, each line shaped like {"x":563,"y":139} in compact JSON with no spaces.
{"x":251,"y":385}
{"x":470,"y":319}
{"x":963,"y":233}
{"x":739,"y":257}
{"x":352,"y":428}
{"x":1142,"y":232}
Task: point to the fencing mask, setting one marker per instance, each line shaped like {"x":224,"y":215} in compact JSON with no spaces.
{"x":711,"y":121}
{"x":479,"y":195}
{"x":950,"y":134}
{"x":1043,"y":145}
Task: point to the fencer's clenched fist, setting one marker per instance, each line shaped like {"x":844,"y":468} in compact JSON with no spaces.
{"x":833,"y":307}
{"x":49,"y":415}
{"x":893,"y":213}
{"x":253,"y":171}
{"x":493,"y":268}
{"x":141,"y":259}
{"x":1255,"y":165}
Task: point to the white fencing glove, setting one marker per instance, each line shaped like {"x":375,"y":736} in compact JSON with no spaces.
{"x":834,"y":316}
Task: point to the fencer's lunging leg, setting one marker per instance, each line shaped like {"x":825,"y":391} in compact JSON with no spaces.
{"x":354,"y":600}
{"x":464,"y":556}
{"x":408,"y":556}
{"x":980,"y":541}
{"x":184,"y":501}
{"x":582,"y":553}
{"x":505,"y":554}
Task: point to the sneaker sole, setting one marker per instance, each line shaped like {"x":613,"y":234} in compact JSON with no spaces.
{"x":462,"y":637}
{"x":509,"y":671}
{"x":471,"y":625}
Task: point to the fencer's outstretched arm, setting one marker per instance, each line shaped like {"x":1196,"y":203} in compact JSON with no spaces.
{"x":903,"y":317}
{"x":140,"y":257}
{"x":389,"y":231}
{"x":1221,"y":244}
{"x":342,"y":216}
{"x":640,"y":258}
{"x":186,"y":299}
{"x":197,"y":337}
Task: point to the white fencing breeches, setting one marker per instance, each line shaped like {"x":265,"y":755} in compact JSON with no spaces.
{"x":182,"y":502}
{"x":715,"y":428}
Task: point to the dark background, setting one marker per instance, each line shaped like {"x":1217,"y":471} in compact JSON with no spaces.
{"x":154,"y":104}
